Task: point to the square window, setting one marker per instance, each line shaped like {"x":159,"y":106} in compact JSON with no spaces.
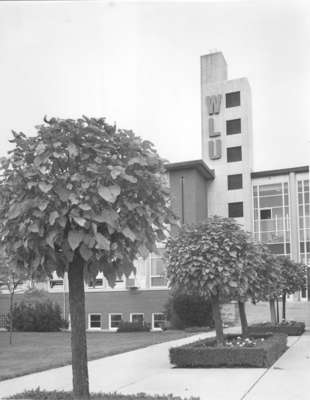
{"x":233,"y":126}
{"x":94,"y":321}
{"x":234,"y":154}
{"x":235,"y":210}
{"x":234,"y":181}
{"x":265,"y":214}
{"x":115,"y":320}
{"x":159,"y":320}
{"x":232,"y":99}
{"x":137,"y":318}
{"x":158,"y":272}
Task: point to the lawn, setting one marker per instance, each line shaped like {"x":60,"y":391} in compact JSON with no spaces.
{"x":38,"y":351}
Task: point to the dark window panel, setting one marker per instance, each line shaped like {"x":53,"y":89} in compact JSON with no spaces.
{"x":265,"y":214}
{"x":233,"y":126}
{"x":232,"y":99}
{"x":302,"y":247}
{"x":234,"y":154}
{"x":234,"y":181}
{"x":235,"y":210}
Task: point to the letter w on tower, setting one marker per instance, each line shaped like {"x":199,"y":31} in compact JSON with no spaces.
{"x":214,"y":104}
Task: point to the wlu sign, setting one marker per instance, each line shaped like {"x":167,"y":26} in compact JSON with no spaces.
{"x":215,"y":143}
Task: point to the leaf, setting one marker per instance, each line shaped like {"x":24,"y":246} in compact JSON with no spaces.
{"x":85,"y":252}
{"x":40,"y":148}
{"x":45,"y":187}
{"x":129,"y":234}
{"x":116,"y":171}
{"x":107,"y":216}
{"x":80,"y":221}
{"x":53,"y":216}
{"x":17,"y":209}
{"x":130,"y":178}
{"x":233,"y":284}
{"x":109,"y":193}
{"x":75,"y":238}
{"x":85,"y":207}
{"x":62,"y":193}
{"x":50,"y":238}
{"x":34,"y":227}
{"x":73,"y":150}
{"x":102,"y":242}
{"x":42,"y":205}
{"x":137,"y":160}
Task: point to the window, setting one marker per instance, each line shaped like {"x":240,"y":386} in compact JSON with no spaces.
{"x":137,"y":318}
{"x":265,"y":213}
{"x":234,"y":181}
{"x":158,"y":320}
{"x":158,"y":272}
{"x":56,"y":282}
{"x":233,"y":99}
{"x":233,"y":126}
{"x":235,"y":210}
{"x":234,"y":154}
{"x":98,"y":282}
{"x":94,"y":321}
{"x":114,"y":321}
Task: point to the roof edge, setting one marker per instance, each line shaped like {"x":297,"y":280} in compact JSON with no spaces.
{"x":282,"y":171}
{"x":199,"y":165}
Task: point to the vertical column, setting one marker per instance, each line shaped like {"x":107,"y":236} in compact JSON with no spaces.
{"x":293,"y":216}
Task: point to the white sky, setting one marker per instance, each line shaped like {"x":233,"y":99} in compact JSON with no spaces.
{"x":139,"y":65}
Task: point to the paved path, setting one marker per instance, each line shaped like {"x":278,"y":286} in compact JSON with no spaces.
{"x":148,"y":370}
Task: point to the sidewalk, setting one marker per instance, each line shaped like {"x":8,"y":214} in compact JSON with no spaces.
{"x":148,"y":370}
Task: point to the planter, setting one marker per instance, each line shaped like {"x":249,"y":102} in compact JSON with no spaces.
{"x":291,"y":328}
{"x":207,"y":354}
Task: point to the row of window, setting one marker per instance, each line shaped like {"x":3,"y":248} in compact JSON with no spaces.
{"x":95,"y":320}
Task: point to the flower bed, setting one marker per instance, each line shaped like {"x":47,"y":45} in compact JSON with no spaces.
{"x":259,"y":351}
{"x":291,"y":328}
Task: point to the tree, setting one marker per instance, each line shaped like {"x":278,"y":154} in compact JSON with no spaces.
{"x":268,"y":283}
{"x":293,"y":276}
{"x":208,"y":260}
{"x":82,"y":197}
{"x":11,"y":278}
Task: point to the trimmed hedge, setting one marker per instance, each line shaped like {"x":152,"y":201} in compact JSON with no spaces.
{"x":291,"y":328}
{"x":126,"y":326}
{"x":61,"y":395}
{"x":206,"y":354}
{"x":37,"y":317}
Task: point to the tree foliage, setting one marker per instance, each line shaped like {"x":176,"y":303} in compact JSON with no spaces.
{"x":82,"y":186}
{"x":82,"y":197}
{"x":293,"y":275}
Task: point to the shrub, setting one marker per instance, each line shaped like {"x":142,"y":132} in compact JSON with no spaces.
{"x":62,"y":395}
{"x":291,"y":328}
{"x":126,"y":326}
{"x":206,"y":353}
{"x":37,"y":317}
{"x":188,"y":310}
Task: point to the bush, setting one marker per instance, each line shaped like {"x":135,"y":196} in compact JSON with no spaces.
{"x":62,"y":395}
{"x":186,"y":311}
{"x":206,"y":353}
{"x":37,"y":317}
{"x":126,"y":326}
{"x":291,"y":328}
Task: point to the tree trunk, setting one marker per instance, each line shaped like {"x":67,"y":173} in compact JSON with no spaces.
{"x":278,"y":313}
{"x":272,"y":311}
{"x":216,"y":312}
{"x":243,"y":319}
{"x":78,"y":328}
{"x":11,"y":317}
{"x":284,"y":305}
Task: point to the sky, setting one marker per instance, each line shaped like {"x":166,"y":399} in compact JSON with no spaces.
{"x":138,"y":64}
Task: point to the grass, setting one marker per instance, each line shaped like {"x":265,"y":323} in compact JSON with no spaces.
{"x":38,"y":351}
{"x":59,"y":395}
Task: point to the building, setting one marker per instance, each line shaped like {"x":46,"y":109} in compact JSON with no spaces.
{"x":273,"y":204}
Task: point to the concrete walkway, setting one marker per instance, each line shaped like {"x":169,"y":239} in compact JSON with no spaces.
{"x":148,"y":370}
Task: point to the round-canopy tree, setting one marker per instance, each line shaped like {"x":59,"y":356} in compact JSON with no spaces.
{"x":82,"y":197}
{"x":293,"y":276}
{"x":209,"y":260}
